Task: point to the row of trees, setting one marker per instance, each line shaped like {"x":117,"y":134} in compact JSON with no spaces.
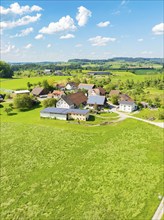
{"x":6,"y":70}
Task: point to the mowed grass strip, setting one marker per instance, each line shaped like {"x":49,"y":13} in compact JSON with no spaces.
{"x":108,"y":172}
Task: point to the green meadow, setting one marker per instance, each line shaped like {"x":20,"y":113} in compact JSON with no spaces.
{"x":53,"y":169}
{"x":21,"y":83}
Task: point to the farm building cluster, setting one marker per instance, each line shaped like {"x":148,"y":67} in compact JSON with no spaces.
{"x":74,"y":101}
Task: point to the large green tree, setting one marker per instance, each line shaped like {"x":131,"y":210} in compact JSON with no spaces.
{"x":23,"y":102}
{"x":5,"y":70}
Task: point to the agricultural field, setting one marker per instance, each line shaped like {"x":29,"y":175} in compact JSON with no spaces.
{"x":21,"y":83}
{"x":52,"y":169}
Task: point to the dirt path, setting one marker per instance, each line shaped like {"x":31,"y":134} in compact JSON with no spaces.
{"x":159,"y":212}
{"x":123,"y":116}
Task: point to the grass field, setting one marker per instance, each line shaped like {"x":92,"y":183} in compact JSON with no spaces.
{"x":21,"y":83}
{"x":51,"y":169}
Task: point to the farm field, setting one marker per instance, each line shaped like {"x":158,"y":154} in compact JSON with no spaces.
{"x":65,"y":171}
{"x":21,"y":83}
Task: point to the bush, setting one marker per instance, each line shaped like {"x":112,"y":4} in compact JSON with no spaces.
{"x":23,"y":102}
{"x":49,"y":102}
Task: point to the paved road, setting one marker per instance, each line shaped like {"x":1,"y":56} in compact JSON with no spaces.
{"x":159,"y":212}
{"x":123,"y":116}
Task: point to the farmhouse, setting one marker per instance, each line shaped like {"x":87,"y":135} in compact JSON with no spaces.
{"x":125,"y":97}
{"x":47,"y":71}
{"x":72,"y":100}
{"x":100,"y":73}
{"x":85,"y":86}
{"x":96,"y":100}
{"x":127,"y":106}
{"x":56,"y":94}
{"x":71,"y":86}
{"x":21,"y":92}
{"x":38,"y":91}
{"x":64,"y":113}
{"x":97,"y":91}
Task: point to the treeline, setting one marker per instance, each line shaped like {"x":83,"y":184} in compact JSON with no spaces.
{"x":6,"y":70}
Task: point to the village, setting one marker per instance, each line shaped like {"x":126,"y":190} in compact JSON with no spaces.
{"x":75,"y":101}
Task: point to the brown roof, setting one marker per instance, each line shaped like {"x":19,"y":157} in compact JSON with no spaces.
{"x":61,"y":85}
{"x":73,"y":84}
{"x":39,"y":91}
{"x":102,"y":91}
{"x":75,"y":98}
{"x":114,"y":92}
{"x":57,"y":92}
{"x":125,"y":97}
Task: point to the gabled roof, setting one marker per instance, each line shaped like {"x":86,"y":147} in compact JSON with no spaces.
{"x":57,"y":92}
{"x":102,"y":90}
{"x":126,"y":102}
{"x":75,"y":98}
{"x":85,"y":86}
{"x":37,"y":91}
{"x":64,"y":111}
{"x":72,"y":84}
{"x":125,"y":97}
{"x":96,"y":99}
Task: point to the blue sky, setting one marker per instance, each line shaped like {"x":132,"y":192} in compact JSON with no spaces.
{"x":61,"y":30}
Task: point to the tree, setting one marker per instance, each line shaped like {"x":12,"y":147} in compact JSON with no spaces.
{"x":29,"y":85}
{"x":5,"y":70}
{"x":8,"y":110}
{"x":49,"y":102}
{"x":23,"y":102}
{"x":45,"y":84}
{"x":114,"y":99}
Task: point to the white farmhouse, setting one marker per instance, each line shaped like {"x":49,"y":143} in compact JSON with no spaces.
{"x":127,"y":106}
{"x":64,"y":102}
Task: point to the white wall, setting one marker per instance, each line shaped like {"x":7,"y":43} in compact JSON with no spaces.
{"x":62,"y":104}
{"x":57,"y":116}
{"x":126,"y":108}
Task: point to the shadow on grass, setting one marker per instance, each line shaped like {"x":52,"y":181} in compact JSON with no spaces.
{"x":91,"y":118}
{"x":34,"y":107}
{"x":12,"y":114}
{"x":1,"y":106}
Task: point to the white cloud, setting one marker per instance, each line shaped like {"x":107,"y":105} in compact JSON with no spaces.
{"x":15,"y":8}
{"x":123,"y":2}
{"x":140,"y":40}
{"x":24,"y":32}
{"x":78,"y":45}
{"x":7,"y":49}
{"x":101,"y":41}
{"x":83,"y":15}
{"x":103,"y":24}
{"x":49,"y":45}
{"x":64,"y":24}
{"x":158,"y":29}
{"x":28,"y":46}
{"x":67,"y":36}
{"x":39,"y":36}
{"x":20,"y":22}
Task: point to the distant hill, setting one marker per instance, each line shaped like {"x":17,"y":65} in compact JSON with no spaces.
{"x":123,"y":59}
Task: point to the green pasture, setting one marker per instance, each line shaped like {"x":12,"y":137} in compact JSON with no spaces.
{"x":52,"y":169}
{"x":21,"y":83}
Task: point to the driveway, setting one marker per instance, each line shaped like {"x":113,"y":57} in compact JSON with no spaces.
{"x":123,"y":116}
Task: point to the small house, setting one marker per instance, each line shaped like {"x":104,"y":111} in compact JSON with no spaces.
{"x":85,"y":86}
{"x":39,"y":91}
{"x":96,"y":100}
{"x":56,"y":94}
{"x":97,"y":91}
{"x":71,"y":86}
{"x":127,"y":106}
